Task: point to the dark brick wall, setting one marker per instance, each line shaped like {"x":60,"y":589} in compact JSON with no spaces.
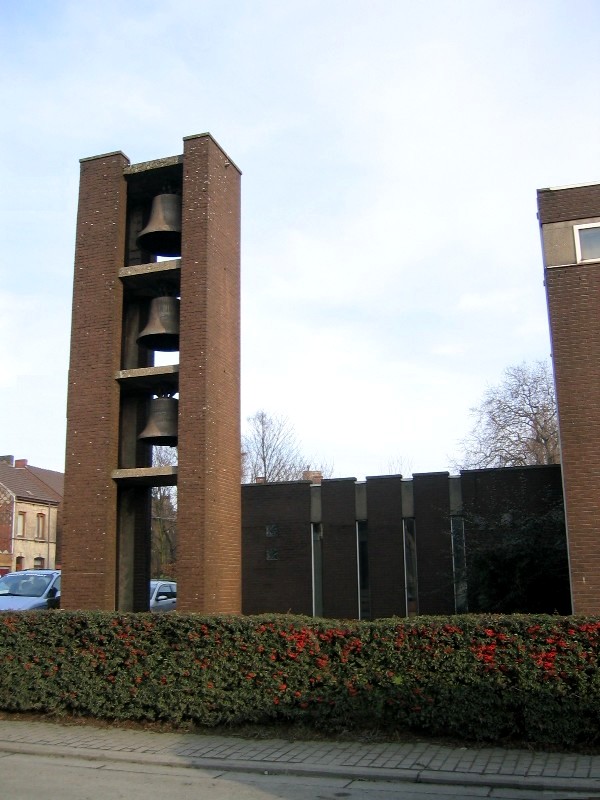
{"x":90,"y":495}
{"x":385,"y":546}
{"x":209,"y":491}
{"x":434,"y":543}
{"x":574,"y":202}
{"x":492,"y":492}
{"x":340,"y":560}
{"x":282,"y":584}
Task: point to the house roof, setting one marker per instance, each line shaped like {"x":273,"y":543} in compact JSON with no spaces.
{"x":54,"y":480}
{"x":26,"y":484}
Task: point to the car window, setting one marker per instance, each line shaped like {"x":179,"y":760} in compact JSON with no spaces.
{"x":9,"y":584}
{"x":57,"y":584}
{"x":32,"y":586}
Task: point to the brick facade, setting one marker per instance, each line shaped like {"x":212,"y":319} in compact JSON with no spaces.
{"x":112,"y":379}
{"x":385,"y":546}
{"x":277,"y":557}
{"x":337,"y":508}
{"x":209,"y":495}
{"x":573,"y":296}
{"x":434,"y":544}
{"x":340,"y":549}
{"x":89,"y":546}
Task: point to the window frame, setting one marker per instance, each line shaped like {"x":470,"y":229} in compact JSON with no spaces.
{"x":40,"y":528}
{"x":576,"y":230}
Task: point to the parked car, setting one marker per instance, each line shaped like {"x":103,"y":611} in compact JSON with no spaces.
{"x":163,"y":595}
{"x":30,"y":589}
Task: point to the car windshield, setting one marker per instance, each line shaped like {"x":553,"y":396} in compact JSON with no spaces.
{"x":24,"y":585}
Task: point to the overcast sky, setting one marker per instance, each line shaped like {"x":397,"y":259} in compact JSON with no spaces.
{"x":391,"y":152}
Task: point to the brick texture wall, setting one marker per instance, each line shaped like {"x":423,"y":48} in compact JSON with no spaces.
{"x":90,"y":494}
{"x":340,"y":560}
{"x":281,"y":582}
{"x":573,"y":202}
{"x":385,"y":546}
{"x":573,"y":296}
{"x":434,"y":543}
{"x":209,"y":489}
{"x":574,"y":312}
{"x":100,"y":520}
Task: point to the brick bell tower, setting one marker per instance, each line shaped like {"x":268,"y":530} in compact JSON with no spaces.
{"x":157,"y":268}
{"x":570,"y":226}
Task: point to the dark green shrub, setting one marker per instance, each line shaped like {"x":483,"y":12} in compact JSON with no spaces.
{"x":493,"y":679}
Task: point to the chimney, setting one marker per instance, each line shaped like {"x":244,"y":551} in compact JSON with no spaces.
{"x":20,"y":463}
{"x":8,"y":460}
{"x":260,"y":479}
{"x":312,"y":475}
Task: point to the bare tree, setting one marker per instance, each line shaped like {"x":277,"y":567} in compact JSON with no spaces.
{"x":398,"y":466}
{"x":516,"y":423}
{"x":271,"y":452}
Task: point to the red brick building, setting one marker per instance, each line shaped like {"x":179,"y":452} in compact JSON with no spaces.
{"x":570,"y":226}
{"x":133,"y":248}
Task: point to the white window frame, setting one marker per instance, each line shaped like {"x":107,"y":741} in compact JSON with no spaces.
{"x":576,"y":229}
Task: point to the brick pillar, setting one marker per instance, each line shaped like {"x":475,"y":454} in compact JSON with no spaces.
{"x":340,"y":549}
{"x":90,"y":495}
{"x":573,"y":296}
{"x":386,"y":548}
{"x":434,"y":544}
{"x":209,"y":488}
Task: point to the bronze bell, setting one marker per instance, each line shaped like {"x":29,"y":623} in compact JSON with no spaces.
{"x":162,"y":329}
{"x":162,"y":234}
{"x":161,"y":427}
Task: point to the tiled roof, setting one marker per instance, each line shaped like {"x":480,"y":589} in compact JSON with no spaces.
{"x":54,"y":480}
{"x":26,"y":485}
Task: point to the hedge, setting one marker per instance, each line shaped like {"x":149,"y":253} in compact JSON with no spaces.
{"x":487,"y":679}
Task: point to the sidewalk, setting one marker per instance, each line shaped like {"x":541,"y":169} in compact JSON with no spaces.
{"x":416,"y":762}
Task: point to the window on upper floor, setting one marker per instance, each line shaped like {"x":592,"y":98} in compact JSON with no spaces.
{"x":587,"y":241}
{"x":21,"y":523}
{"x":40,"y":530}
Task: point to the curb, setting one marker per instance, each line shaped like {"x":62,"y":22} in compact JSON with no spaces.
{"x":220,"y":766}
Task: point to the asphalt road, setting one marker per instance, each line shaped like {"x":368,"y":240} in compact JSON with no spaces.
{"x":31,"y":777}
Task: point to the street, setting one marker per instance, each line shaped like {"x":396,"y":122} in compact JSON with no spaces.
{"x":29,"y":777}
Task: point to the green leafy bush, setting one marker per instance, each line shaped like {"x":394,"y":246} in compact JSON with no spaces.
{"x":495,"y":678}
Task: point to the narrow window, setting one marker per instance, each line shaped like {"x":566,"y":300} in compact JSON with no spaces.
{"x":411,"y":586}
{"x":21,"y":523}
{"x":317,"y":568}
{"x":363,"y":570}
{"x":39,"y":563}
{"x":19,"y":563}
{"x":459,"y":564}
{"x":40,"y":531}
